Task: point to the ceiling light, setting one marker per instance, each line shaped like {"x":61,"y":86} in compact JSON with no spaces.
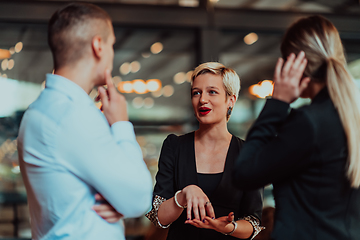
{"x":11,"y":64}
{"x":4,"y":64}
{"x":138,"y":102}
{"x":4,"y":54}
{"x":180,"y":78}
{"x":125,"y":68}
{"x":168,"y":91}
{"x":18,"y":47}
{"x":262,"y":89}
{"x":188,"y":76}
{"x":135,"y":66}
{"x":153,"y":85}
{"x":157,"y":93}
{"x":145,"y":55}
{"x":156,"y":48}
{"x":125,"y":87}
{"x":139,"y":86}
{"x":251,"y":38}
{"x":148,"y":102}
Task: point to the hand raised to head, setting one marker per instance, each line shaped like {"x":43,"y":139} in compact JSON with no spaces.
{"x":288,"y":81}
{"x":113,"y":103}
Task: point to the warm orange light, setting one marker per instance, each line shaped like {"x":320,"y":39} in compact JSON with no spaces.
{"x":125,"y":68}
{"x":125,"y":87}
{"x":18,"y":47}
{"x":153,"y":85}
{"x":262,"y":89}
{"x":11,"y":64}
{"x":156,"y":48}
{"x":135,"y":66}
{"x":180,"y":77}
{"x":139,"y":86}
{"x":168,"y":91}
{"x":188,"y":76}
{"x":4,"y":54}
{"x":251,"y":38}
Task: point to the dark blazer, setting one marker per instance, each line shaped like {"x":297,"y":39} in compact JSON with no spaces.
{"x":177,"y":169}
{"x":304,"y":155}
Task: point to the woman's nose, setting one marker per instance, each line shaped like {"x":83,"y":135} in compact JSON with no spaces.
{"x":203,"y":98}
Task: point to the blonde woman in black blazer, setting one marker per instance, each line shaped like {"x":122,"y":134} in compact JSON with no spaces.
{"x":311,"y":154}
{"x":194,"y":194}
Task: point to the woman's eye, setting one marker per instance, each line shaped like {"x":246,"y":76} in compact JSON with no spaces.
{"x":213,"y":92}
{"x":195,"y":93}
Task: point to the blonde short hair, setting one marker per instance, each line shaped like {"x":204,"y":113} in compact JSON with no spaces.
{"x":230,"y":78}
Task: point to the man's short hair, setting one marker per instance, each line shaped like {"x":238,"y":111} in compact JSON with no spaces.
{"x":71,"y":30}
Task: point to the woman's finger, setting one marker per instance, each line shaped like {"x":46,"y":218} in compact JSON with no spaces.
{"x":202,"y":210}
{"x":210,"y":210}
{"x":297,"y":62}
{"x":230,"y":217}
{"x":277,"y":73}
{"x":300,"y":70}
{"x":289,"y":62}
{"x":189,"y":209}
{"x":196,"y":209}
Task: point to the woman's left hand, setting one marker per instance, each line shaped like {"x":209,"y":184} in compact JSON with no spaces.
{"x":288,"y":81}
{"x":221,"y":224}
{"x":106,"y":211}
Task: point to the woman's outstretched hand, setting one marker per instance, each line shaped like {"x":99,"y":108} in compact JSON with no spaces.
{"x":198,"y":203}
{"x":288,"y":81}
{"x":221,"y":224}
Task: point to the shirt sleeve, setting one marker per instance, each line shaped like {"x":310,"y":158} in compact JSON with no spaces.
{"x":277,"y":146}
{"x":107,"y":158}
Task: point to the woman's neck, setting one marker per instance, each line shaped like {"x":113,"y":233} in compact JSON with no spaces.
{"x":212,"y":132}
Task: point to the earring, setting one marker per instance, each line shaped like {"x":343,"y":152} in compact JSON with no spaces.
{"x":229,"y":111}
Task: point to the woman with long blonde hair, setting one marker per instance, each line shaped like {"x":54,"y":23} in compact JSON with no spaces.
{"x":311,"y":155}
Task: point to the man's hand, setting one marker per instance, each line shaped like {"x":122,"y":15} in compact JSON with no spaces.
{"x":113,"y":103}
{"x":106,"y":211}
{"x":288,"y":82}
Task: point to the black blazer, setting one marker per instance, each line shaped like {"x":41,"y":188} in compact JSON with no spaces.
{"x":177,"y":169}
{"x":304,"y":155}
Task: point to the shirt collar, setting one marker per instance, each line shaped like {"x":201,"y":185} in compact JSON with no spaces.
{"x":68,"y":87}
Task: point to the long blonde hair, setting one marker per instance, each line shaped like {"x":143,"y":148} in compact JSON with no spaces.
{"x":320,"y":41}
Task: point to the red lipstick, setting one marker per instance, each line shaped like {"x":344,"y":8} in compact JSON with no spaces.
{"x":204,"y":110}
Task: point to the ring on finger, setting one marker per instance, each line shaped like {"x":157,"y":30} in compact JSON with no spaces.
{"x":208,"y":202}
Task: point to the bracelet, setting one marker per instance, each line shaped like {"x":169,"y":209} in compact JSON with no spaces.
{"x":235,"y":226}
{"x":176,"y":201}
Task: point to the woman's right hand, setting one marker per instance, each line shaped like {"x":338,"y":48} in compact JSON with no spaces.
{"x":198,"y":203}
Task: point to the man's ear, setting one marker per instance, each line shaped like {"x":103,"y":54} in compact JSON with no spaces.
{"x":96,"y":45}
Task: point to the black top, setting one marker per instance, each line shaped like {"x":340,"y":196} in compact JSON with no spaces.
{"x":304,"y":155}
{"x":208,"y":182}
{"x":177,"y":169}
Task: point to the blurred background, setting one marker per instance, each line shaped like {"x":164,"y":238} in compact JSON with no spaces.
{"x":158,"y":44}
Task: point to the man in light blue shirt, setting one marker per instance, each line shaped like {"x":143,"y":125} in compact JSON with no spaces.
{"x":68,"y":150}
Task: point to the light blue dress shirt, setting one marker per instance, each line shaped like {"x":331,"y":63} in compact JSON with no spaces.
{"x":67,"y":153}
